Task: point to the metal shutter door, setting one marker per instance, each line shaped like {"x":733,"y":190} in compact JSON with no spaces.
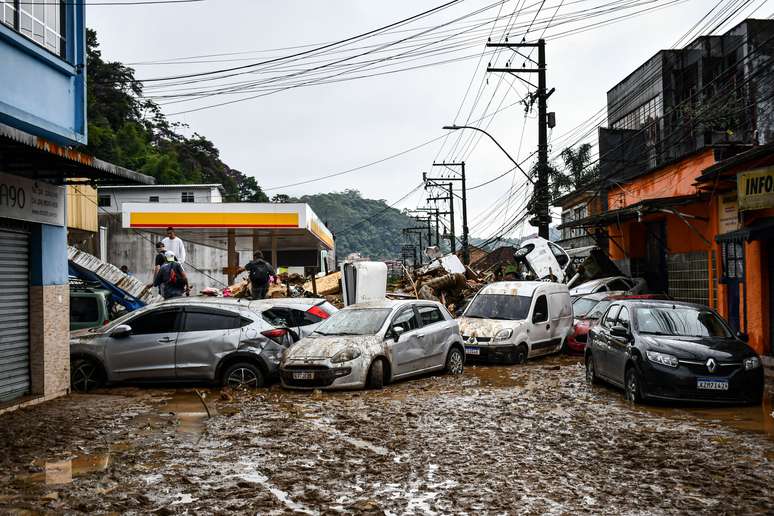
{"x":14,"y":315}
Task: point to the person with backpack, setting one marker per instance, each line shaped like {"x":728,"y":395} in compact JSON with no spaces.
{"x":260,"y":272}
{"x":171,"y":278}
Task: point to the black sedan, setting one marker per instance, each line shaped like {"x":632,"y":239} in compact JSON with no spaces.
{"x":672,"y":351}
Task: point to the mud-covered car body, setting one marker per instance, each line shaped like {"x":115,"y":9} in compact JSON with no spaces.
{"x":586,"y":312}
{"x":515,"y":320}
{"x":620,"y":284}
{"x":672,"y":351}
{"x":184,"y":339}
{"x":343,"y":349}
{"x":544,"y":260}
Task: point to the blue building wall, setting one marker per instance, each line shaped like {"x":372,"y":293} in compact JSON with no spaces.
{"x":42,"y":93}
{"x":48,"y":255}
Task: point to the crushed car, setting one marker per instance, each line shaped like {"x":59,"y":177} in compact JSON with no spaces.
{"x":621,"y":284}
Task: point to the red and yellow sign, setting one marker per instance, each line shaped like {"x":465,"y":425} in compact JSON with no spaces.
{"x":212,"y":220}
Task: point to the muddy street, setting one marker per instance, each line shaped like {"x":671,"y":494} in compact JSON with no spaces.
{"x":500,"y":439}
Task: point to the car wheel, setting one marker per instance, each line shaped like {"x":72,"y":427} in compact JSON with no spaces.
{"x":632,"y":389}
{"x":591,"y":372}
{"x":519,"y":355}
{"x":376,"y":375}
{"x":243,"y":376}
{"x":86,"y":375}
{"x":455,"y":362}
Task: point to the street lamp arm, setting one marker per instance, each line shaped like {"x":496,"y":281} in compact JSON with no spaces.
{"x":456,"y":127}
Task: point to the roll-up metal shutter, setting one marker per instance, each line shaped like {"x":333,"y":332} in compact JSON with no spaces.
{"x":14,"y":314}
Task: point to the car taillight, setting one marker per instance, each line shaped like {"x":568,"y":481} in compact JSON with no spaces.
{"x":277,"y":334}
{"x":319,"y":312}
{"x":105,"y":322}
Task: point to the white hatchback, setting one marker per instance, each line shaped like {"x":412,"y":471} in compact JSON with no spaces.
{"x":515,"y":320}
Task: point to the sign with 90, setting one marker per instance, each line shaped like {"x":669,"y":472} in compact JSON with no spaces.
{"x":31,"y":201}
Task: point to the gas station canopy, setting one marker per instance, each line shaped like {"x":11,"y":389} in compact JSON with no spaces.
{"x":291,"y":233}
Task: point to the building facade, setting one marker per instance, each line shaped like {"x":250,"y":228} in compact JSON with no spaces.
{"x":42,"y":120}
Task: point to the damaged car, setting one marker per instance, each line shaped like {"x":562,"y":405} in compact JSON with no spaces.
{"x":512,"y":321}
{"x":544,"y":260}
{"x":223,"y":340}
{"x":372,"y":344}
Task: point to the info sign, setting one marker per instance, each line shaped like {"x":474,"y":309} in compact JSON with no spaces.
{"x":31,"y":201}
{"x":755,"y":189}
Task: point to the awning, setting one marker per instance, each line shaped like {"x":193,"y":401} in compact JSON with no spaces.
{"x":631,"y":212}
{"x":759,"y":230}
{"x":31,"y":156}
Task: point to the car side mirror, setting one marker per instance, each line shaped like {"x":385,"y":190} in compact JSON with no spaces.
{"x":121,"y":331}
{"x":397,"y":331}
{"x":744,"y":337}
{"x":620,"y":331}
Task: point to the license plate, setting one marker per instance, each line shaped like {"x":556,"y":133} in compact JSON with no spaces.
{"x":469,"y":350}
{"x":303,"y":376}
{"x":712,"y":384}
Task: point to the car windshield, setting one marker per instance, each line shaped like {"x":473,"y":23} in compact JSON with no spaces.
{"x":355,"y":321}
{"x":683,"y":321}
{"x":598,"y":311}
{"x":585,"y":288}
{"x":583,"y":306}
{"x":499,"y":306}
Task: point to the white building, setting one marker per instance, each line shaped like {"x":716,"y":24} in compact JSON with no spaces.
{"x":111,"y":198}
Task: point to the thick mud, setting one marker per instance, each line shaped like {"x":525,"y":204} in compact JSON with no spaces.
{"x":529,"y":439}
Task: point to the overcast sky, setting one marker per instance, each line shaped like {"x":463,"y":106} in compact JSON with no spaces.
{"x":308,"y":132}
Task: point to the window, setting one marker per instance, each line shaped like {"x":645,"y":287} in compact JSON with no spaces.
{"x":559,"y":254}
{"x":103,"y":201}
{"x":610,"y":316}
{"x":499,"y":306}
{"x":204,"y":320}
{"x":83,"y":309}
{"x":153,"y":198}
{"x":618,"y":284}
{"x":278,"y":316}
{"x":407,"y":318}
{"x":187,"y":197}
{"x":430,"y":315}
{"x":42,"y":21}
{"x":155,"y":321}
{"x":733,"y":260}
{"x":682,"y":321}
{"x":623,"y":318}
{"x":540,"y":313}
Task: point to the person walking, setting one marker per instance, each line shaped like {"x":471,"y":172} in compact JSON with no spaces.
{"x":159,"y":259}
{"x":260,"y":272}
{"x":174,"y":244}
{"x":171,"y":278}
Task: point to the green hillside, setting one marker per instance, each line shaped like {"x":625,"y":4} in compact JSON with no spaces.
{"x":367,"y":226}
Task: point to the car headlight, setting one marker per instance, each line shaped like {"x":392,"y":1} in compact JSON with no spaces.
{"x":345,"y":355}
{"x":662,"y":358}
{"x":504,"y":334}
{"x":752,"y":363}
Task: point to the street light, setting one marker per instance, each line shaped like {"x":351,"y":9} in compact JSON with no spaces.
{"x":456,"y":127}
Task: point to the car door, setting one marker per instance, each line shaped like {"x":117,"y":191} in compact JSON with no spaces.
{"x":206,"y":336}
{"x":148,"y":352}
{"x":408,"y":352}
{"x":618,"y":348}
{"x":437,"y":333}
{"x":540,"y":330}
{"x":602,"y":341}
{"x":560,"y":312}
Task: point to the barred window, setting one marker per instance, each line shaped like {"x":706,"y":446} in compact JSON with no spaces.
{"x":733,"y":260}
{"x":187,"y":197}
{"x":42,"y":21}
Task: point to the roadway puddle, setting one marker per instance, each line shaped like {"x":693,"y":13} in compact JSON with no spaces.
{"x":183,"y":409}
{"x":64,"y":471}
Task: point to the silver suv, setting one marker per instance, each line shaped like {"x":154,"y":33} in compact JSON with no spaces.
{"x":231,"y":341}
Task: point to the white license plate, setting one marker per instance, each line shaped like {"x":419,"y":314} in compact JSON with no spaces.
{"x":472,"y":351}
{"x":303,"y":376}
{"x":712,"y":384}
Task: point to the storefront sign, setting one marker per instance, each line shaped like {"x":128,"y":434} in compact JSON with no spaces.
{"x":728,"y":214}
{"x":31,"y":201}
{"x":756,"y":189}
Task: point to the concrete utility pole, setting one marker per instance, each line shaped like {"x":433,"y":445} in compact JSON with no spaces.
{"x":416,"y":231}
{"x":461,"y":179}
{"x":542,"y":217}
{"x":432,"y":212}
{"x":450,"y":198}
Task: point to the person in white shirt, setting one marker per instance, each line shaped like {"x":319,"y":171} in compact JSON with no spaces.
{"x":175,"y":244}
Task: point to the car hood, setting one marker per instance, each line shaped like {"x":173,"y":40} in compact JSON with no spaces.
{"x":471,"y":327}
{"x":325,"y":346}
{"x":699,"y":348}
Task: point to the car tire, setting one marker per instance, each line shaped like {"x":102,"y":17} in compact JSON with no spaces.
{"x":86,"y":375}
{"x":455,"y":362}
{"x":632,"y":387}
{"x":591,"y":371}
{"x":519,"y":355}
{"x":375,"y":378}
{"x":242,"y":375}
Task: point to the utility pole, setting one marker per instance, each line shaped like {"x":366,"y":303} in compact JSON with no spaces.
{"x":416,"y":231}
{"x":450,"y":198}
{"x":432,"y":212}
{"x":461,"y":179}
{"x":542,"y":217}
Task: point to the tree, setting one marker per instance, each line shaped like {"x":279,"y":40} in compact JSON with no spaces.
{"x":281,"y":199}
{"x":577,"y":170}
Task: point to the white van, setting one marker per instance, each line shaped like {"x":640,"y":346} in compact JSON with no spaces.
{"x":516,"y":320}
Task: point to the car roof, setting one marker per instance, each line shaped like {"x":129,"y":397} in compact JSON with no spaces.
{"x":601,"y":296}
{"x":660,"y":303}
{"x":520,"y":288}
{"x":234,"y":302}
{"x":391,"y":303}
